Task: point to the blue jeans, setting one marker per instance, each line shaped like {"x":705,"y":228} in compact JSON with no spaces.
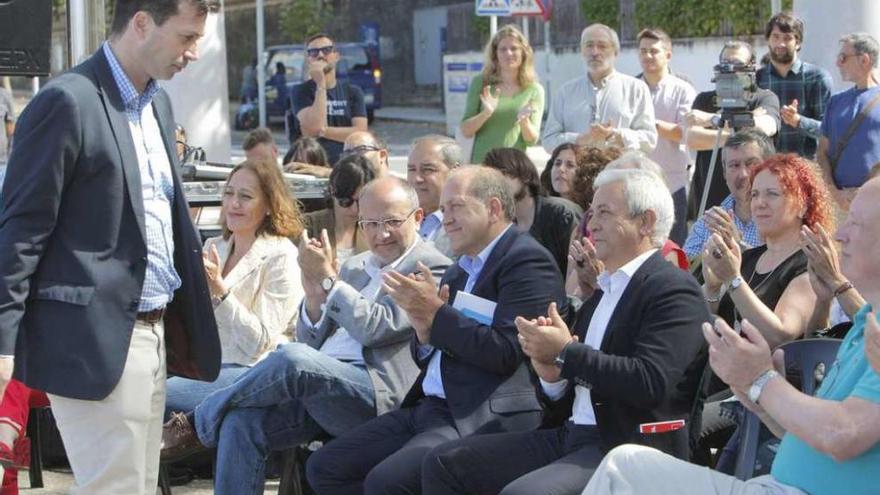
{"x":289,"y":398}
{"x":184,"y":394}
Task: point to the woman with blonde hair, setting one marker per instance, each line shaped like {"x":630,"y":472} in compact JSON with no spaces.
{"x":252,"y":273}
{"x":505,"y":102}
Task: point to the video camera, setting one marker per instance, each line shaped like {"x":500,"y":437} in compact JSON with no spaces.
{"x":734,"y":88}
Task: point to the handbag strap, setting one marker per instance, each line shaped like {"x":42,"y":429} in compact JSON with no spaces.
{"x":850,"y":131}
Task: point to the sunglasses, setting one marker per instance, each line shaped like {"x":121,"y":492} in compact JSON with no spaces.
{"x":361,"y":149}
{"x":323,"y":50}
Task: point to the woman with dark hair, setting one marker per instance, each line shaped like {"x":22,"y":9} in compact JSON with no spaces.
{"x":252,"y":273}
{"x":339,"y":219}
{"x":307,"y":156}
{"x":505,"y":103}
{"x":549,"y":220}
{"x":557,"y":178}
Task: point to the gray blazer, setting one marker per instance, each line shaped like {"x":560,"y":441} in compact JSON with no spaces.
{"x":381,"y":326}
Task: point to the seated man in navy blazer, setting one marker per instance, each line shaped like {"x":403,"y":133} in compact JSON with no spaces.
{"x":474,"y":378}
{"x":636,"y":357}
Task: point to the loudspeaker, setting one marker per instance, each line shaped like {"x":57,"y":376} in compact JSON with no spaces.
{"x":25,"y":36}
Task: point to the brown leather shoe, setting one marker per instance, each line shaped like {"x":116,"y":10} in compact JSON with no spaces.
{"x":179,"y":439}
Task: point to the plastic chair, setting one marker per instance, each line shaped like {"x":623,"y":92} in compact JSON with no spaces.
{"x":805,"y":360}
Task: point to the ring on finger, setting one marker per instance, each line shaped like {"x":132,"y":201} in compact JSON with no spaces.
{"x":716,"y":253}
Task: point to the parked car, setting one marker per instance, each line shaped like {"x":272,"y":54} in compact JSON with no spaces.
{"x":358,"y":65}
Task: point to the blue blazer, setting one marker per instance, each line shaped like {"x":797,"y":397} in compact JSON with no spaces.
{"x":486,"y":376}
{"x":72,"y":244}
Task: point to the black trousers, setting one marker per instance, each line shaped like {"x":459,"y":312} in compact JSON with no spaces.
{"x":555,"y":461}
{"x":383,"y":455}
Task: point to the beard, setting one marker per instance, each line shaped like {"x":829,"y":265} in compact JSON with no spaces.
{"x":782,"y":58}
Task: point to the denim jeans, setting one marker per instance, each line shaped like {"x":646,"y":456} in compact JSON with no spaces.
{"x":184,"y":394}
{"x":287,"y":399}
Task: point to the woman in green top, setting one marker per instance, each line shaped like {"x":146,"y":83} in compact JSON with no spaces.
{"x":505,"y":103}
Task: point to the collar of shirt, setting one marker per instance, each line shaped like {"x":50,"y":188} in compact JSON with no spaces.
{"x":130,"y":97}
{"x":374,"y":268}
{"x":473,"y":265}
{"x":430,"y":224}
{"x":620,"y":278}
{"x":604,"y":82}
{"x":795,"y":69}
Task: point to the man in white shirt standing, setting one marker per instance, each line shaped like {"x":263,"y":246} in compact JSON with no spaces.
{"x":673,"y":98}
{"x":640,"y":362}
{"x":604,"y":106}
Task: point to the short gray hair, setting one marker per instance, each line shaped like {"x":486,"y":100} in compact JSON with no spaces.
{"x":450,"y":151}
{"x":637,"y":160}
{"x":863,"y":44}
{"x":487,"y":183}
{"x":615,"y":40}
{"x":411,"y":196}
{"x":644,"y":191}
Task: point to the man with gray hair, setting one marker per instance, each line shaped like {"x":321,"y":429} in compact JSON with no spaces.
{"x":604,"y":106}
{"x":850,"y":145}
{"x":634,"y":359}
{"x":351,"y":360}
{"x":431,"y":159}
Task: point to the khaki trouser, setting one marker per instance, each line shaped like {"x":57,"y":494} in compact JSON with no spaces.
{"x":113,"y":444}
{"x":638,"y":470}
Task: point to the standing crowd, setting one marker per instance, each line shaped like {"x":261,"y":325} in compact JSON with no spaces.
{"x":607,"y":326}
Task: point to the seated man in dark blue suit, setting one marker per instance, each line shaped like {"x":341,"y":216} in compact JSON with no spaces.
{"x":474,"y":378}
{"x":636,"y":357}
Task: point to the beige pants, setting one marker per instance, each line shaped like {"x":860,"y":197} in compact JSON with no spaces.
{"x":113,"y":444}
{"x":638,"y":470}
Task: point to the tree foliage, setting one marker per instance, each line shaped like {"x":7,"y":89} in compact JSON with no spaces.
{"x":303,"y":18}
{"x":688,"y":18}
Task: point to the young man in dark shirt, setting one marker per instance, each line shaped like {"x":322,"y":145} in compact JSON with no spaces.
{"x":325,"y":108}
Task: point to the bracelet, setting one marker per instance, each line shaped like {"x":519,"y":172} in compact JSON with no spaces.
{"x":717,"y":298}
{"x":843,"y":288}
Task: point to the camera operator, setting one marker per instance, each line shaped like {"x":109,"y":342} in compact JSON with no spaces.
{"x":803,"y":89}
{"x":704,"y":120}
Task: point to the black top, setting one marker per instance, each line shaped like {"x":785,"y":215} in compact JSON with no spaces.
{"x":555,"y":219}
{"x":718,"y":189}
{"x":344,"y":102}
{"x":767,"y":286}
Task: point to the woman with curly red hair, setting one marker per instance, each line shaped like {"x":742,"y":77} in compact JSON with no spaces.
{"x":768,"y":285}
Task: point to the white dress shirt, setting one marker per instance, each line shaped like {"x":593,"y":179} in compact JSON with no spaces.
{"x":612,"y":286}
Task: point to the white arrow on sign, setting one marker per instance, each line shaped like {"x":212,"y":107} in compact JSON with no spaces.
{"x":493,"y":7}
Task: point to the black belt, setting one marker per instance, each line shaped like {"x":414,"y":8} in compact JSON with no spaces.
{"x":153,"y":316}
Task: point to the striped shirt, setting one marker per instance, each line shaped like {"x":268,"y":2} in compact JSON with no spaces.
{"x":157,"y":186}
{"x":811,"y":87}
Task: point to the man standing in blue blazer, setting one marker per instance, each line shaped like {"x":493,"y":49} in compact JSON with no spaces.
{"x":474,"y":377}
{"x":100,"y":266}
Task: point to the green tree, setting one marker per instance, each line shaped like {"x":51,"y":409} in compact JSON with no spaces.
{"x":303,"y":18}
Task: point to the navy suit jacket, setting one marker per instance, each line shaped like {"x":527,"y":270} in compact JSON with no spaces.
{"x":651,"y":360}
{"x":486,"y":376}
{"x":72,"y":244}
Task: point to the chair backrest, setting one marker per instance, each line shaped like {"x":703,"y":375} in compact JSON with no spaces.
{"x":806,"y":361}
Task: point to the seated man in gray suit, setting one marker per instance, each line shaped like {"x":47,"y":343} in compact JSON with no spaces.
{"x":351,"y":363}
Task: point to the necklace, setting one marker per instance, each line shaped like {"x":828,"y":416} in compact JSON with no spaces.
{"x":769,"y":275}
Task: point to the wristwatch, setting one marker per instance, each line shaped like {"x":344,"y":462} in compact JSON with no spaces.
{"x":735,"y":283}
{"x":716,"y":121}
{"x":327,"y":283}
{"x":559,"y":361}
{"x":758,"y":385}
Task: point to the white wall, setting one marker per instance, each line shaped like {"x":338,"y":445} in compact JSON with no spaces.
{"x":200,"y":94}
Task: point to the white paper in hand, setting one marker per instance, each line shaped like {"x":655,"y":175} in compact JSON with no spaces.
{"x":475,"y":307}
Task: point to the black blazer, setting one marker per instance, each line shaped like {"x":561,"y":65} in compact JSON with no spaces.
{"x":651,"y":359}
{"x":72,"y":244}
{"x":485,"y":374}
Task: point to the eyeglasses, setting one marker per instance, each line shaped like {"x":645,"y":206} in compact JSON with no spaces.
{"x":361,"y":149}
{"x":842,"y":57}
{"x":388,"y":225}
{"x":323,"y":50}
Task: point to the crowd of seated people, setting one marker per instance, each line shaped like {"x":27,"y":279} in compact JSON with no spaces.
{"x":490,"y":328}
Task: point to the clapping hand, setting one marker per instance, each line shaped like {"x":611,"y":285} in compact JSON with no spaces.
{"x":721,"y":260}
{"x":737,"y":360}
{"x":822,"y":262}
{"x":790,"y":115}
{"x":582,"y":256}
{"x":525,"y":113}
{"x":542,"y":339}
{"x":316,"y":259}
{"x":721,"y":221}
{"x":489,"y":99}
{"x":214,"y":272}
{"x":417,"y":294}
